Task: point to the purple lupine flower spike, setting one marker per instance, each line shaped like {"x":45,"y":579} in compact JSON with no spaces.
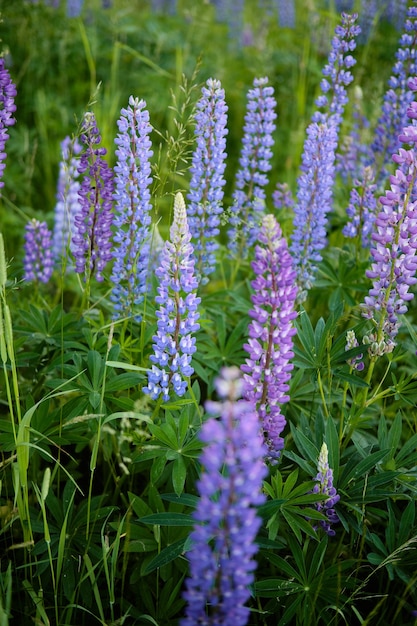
{"x":254,"y":163}
{"x":325,"y":487}
{"x":222,"y":560}
{"x":38,"y":262}
{"x":267,"y":370}
{"x":314,"y":202}
{"x":68,"y":202}
{"x":207,"y":181}
{"x":396,"y":99}
{"x":132,"y":208}
{"x":394,"y":245}
{"x":7,"y":108}
{"x":92,"y":239}
{"x":361,"y":209}
{"x":337,"y":74}
{"x":315,"y":184}
{"x":177,"y":315}
{"x":282,"y":197}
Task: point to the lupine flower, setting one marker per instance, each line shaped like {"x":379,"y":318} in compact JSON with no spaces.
{"x":38,"y":262}
{"x":7,"y":108}
{"x":68,"y":202}
{"x":351,"y":342}
{"x":207,"y":181}
{"x":361,"y":209}
{"x":254,"y":163}
{"x":314,"y":201}
{"x":223,"y":539}
{"x":286,"y":13}
{"x":177,"y":315}
{"x":394,"y":245}
{"x":267,"y":370}
{"x":92,"y":245}
{"x":396,"y":11}
{"x":282,"y":197}
{"x":368,"y":16}
{"x":231,"y":13}
{"x":74,"y":7}
{"x":353,"y":152}
{"x":337,"y":74}
{"x":315,"y":184}
{"x":325,"y":487}
{"x":132,"y":208}
{"x":393,"y":115}
{"x":168,"y":7}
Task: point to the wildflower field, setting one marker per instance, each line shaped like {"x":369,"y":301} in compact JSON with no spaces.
{"x":208,"y":330}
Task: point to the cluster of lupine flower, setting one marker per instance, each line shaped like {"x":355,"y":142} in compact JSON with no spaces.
{"x":207,"y":177}
{"x":255,"y":161}
{"x":325,"y":487}
{"x":68,"y":202}
{"x":177,"y":315}
{"x":250,"y":427}
{"x":372,"y":164}
{"x":92,"y":225}
{"x":394,"y":245}
{"x":315,"y":185}
{"x":132,"y":206}
{"x":222,"y":560}
{"x":268,"y":368}
{"x":38,"y":263}
{"x":7,"y":108}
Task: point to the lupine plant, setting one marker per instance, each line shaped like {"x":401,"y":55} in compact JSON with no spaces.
{"x":208,"y":330}
{"x":132,"y":241}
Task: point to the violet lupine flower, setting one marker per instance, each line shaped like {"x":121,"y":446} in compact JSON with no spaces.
{"x":351,"y":342}
{"x":353,"y":153}
{"x":337,"y":74}
{"x":7,"y":108}
{"x":396,"y":99}
{"x":38,"y":262}
{"x":286,"y":13}
{"x":207,"y":181}
{"x":132,"y":208}
{"x":177,"y":315}
{"x":92,"y":239}
{"x":314,"y":201}
{"x":395,"y":12}
{"x":394,"y":246}
{"x":325,"y":487}
{"x":222,"y":560}
{"x":362,"y":207}
{"x":315,"y":184}
{"x":254,"y":163}
{"x":267,"y":370}
{"x":68,"y":202}
{"x":282,"y":197}
{"x":74,"y":8}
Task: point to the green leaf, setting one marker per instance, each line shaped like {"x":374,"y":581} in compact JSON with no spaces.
{"x":187,"y":499}
{"x":126,"y":366}
{"x":168,"y":554}
{"x":179,"y":474}
{"x":282,"y":565}
{"x":365,"y":465}
{"x":305,"y":445}
{"x":168,"y":519}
